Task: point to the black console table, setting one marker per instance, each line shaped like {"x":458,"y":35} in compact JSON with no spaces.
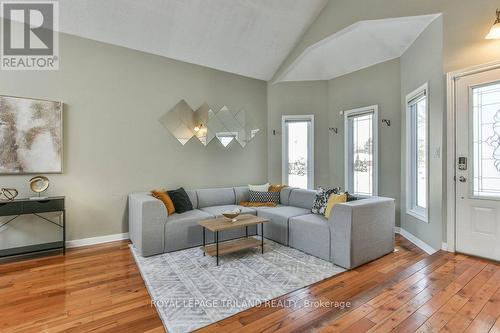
{"x":19,"y":207}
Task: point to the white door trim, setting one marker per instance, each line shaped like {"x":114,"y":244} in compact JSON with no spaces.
{"x":451,"y":79}
{"x":284,"y":158}
{"x":346,"y":114}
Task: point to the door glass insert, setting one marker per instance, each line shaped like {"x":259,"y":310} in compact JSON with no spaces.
{"x":486,"y":140}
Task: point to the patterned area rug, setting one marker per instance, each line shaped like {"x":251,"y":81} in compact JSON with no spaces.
{"x":190,"y":291}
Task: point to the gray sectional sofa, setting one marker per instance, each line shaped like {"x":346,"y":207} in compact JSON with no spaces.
{"x":356,"y":232}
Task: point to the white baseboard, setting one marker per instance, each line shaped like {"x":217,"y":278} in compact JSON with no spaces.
{"x":96,"y":240}
{"x":418,"y":242}
{"x":444,"y":246}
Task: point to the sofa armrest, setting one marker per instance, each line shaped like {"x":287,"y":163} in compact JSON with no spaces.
{"x":147,"y":218}
{"x":362,"y":231}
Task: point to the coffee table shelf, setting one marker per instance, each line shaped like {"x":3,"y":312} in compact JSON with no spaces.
{"x":231,"y":246}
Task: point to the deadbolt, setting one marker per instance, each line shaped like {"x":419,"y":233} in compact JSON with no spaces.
{"x":462,"y":179}
{"x":462,"y":163}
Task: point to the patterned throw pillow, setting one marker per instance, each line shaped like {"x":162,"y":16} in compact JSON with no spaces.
{"x":319,"y":204}
{"x":256,"y":196}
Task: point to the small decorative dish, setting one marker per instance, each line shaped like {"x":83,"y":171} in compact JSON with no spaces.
{"x":232,"y":214}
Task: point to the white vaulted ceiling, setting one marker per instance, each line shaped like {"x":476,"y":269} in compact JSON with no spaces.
{"x":360,"y":45}
{"x":246,"y":37}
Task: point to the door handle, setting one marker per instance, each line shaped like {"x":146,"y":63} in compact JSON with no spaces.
{"x":462,"y":179}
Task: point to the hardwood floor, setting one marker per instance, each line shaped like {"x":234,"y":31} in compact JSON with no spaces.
{"x":96,"y":289}
{"x":99,"y":289}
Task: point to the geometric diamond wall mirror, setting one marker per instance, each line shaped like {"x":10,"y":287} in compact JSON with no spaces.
{"x":204,"y":124}
{"x":229,"y":126}
{"x":200,"y":118}
{"x":179,"y":121}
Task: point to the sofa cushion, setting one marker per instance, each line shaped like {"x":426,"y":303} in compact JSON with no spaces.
{"x":218,"y":210}
{"x":241,"y":193}
{"x":215,"y":197}
{"x":302,"y":198}
{"x":192,"y":215}
{"x":193,"y":197}
{"x":285,"y":195}
{"x":310,"y":234}
{"x":183,"y":231}
{"x":277,"y":228}
{"x":283,"y":210}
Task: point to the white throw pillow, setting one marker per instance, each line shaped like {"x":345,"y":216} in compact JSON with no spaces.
{"x":259,"y":188}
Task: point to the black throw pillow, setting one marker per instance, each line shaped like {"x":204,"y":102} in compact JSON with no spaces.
{"x":350,"y":197}
{"x":181,"y":200}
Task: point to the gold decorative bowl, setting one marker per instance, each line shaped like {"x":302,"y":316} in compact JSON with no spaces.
{"x":231,"y":216}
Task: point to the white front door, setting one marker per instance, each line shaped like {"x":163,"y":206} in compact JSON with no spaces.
{"x":478,"y":164}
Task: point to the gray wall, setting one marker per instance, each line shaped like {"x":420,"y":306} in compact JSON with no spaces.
{"x":379,"y":84}
{"x":421,"y":63}
{"x":298,"y":98}
{"x":464,"y":25}
{"x":113,"y":142}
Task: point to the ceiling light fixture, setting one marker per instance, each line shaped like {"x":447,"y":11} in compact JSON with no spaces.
{"x":495,"y":29}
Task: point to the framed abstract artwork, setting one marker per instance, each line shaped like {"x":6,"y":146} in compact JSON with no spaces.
{"x":31,"y":136}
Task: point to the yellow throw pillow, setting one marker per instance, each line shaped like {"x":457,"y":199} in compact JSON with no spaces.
{"x":332,"y":201}
{"x":275,"y":188}
{"x":165,"y":198}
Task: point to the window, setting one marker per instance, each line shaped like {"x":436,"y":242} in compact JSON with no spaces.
{"x":298,"y":151}
{"x":486,"y":140}
{"x":417,"y":153}
{"x":361,"y":151}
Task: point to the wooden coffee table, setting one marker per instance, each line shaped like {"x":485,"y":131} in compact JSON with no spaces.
{"x":223,"y":223}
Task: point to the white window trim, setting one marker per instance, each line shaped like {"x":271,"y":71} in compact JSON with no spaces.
{"x":420,"y":214}
{"x":367,"y":109}
{"x":284,"y":150}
